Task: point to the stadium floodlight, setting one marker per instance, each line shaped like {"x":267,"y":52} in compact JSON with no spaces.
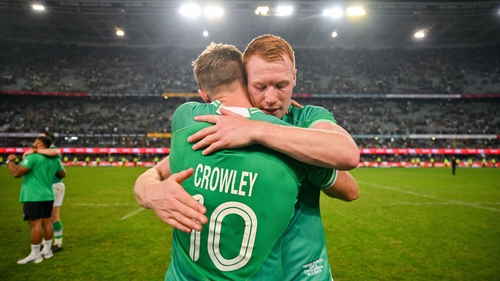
{"x":213,"y":12}
{"x":334,"y":34}
{"x":262,"y":11}
{"x":419,"y":34}
{"x":205,"y":33}
{"x":38,"y":7}
{"x":283,"y":11}
{"x":120,"y":32}
{"x":356,"y":11}
{"x":190,"y":10}
{"x":334,"y":13}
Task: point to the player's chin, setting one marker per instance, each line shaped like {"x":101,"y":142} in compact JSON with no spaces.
{"x":275,"y":112}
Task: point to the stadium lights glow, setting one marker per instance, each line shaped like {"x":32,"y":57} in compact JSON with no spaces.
{"x":120,"y":32}
{"x":190,"y":10}
{"x":334,"y":34}
{"x":205,"y":33}
{"x":213,"y":12}
{"x":419,"y":34}
{"x":284,"y":11}
{"x":334,"y":13}
{"x":261,"y":11}
{"x":356,"y":11}
{"x":37,"y":7}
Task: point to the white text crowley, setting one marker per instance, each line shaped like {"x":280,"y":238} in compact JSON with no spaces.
{"x":224,"y":180}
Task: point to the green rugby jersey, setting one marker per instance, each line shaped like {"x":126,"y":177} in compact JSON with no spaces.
{"x":37,"y":183}
{"x":305,"y":255}
{"x":249,"y":194}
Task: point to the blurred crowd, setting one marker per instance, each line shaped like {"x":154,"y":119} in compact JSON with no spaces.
{"x":146,"y":71}
{"x":392,"y":120}
{"x":141,"y":75}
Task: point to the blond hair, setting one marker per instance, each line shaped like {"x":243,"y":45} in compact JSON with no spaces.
{"x":218,"y":66}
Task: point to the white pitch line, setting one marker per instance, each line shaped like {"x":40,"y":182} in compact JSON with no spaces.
{"x":102,"y":204}
{"x":133,"y":213}
{"x":432,"y":197}
{"x":442,"y":203}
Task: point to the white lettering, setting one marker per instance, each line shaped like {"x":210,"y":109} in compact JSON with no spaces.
{"x":215,"y":175}
{"x":252,"y":183}
{"x":206,"y":173}
{"x":224,"y":180}
{"x":197,"y":181}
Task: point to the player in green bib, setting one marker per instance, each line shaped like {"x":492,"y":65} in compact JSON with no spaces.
{"x":37,"y":196}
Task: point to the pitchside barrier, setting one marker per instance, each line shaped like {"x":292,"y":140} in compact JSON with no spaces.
{"x":118,"y":153}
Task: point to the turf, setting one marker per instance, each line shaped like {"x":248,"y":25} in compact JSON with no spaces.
{"x":408,"y":224}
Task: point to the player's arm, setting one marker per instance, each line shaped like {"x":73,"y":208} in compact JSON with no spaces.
{"x":172,"y":204}
{"x":325,"y":144}
{"x":61,"y":174}
{"x":16,"y":170}
{"x":50,"y":152}
{"x":345,"y":187}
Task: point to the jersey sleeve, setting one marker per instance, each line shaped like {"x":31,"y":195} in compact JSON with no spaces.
{"x":323,"y":178}
{"x":29,"y":161}
{"x":308,"y":116}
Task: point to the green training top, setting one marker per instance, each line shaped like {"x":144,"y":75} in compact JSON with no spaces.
{"x":37,"y":183}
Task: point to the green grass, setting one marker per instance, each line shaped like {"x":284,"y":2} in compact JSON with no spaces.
{"x":408,"y":224}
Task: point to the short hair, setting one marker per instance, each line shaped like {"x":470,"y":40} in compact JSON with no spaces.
{"x":45,"y":140}
{"x":50,"y":135}
{"x":217,"y":66}
{"x":269,"y":47}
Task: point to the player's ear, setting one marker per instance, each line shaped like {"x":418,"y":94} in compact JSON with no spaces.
{"x":204,"y":96}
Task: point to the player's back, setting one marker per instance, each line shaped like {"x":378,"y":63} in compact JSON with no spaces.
{"x":249,"y":194}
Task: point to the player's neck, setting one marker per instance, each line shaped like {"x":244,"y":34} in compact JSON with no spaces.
{"x":238,"y":98}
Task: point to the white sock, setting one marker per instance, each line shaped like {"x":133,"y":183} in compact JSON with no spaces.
{"x":35,"y":249}
{"x":58,"y":242}
{"x":47,"y":244}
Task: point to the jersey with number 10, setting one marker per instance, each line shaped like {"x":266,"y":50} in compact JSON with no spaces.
{"x":249,"y":194}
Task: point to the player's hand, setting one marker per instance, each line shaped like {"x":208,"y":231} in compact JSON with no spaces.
{"x":296,"y":104}
{"x":174,"y":206}
{"x":230,"y":130}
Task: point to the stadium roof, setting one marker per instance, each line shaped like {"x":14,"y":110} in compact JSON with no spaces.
{"x":386,"y":24}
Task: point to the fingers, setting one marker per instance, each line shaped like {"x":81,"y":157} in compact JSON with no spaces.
{"x":201,"y":134}
{"x":182,"y":175}
{"x":187,"y":227}
{"x":207,"y":118}
{"x":296,"y":104}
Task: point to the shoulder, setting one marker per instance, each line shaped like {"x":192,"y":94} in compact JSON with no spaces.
{"x":184,"y":115}
{"x":31,"y":159}
{"x":308,"y":116}
{"x":257,"y":114}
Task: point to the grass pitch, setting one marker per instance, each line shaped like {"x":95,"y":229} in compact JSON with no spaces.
{"x":408,"y":224}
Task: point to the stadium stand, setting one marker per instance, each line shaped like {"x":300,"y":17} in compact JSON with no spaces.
{"x":112,"y":96}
